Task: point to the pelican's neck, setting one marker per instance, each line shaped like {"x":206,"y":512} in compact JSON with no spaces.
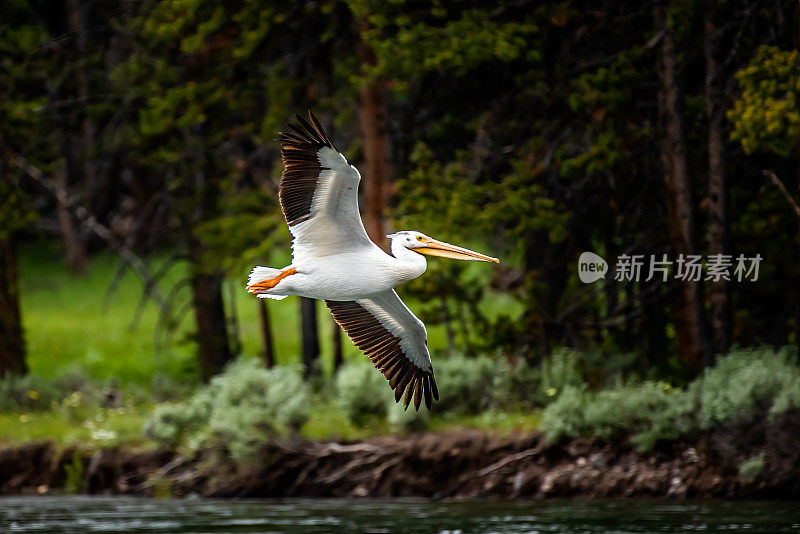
{"x":409,"y":264}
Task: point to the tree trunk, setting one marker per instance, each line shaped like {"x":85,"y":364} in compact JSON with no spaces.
{"x":338,"y":358}
{"x":213,"y":350}
{"x":266,"y":334}
{"x":74,"y":246}
{"x":308,"y":316}
{"x":692,"y":342}
{"x":77,"y":146}
{"x":373,"y":115}
{"x":77,"y":25}
{"x":543,"y":292}
{"x":12,"y":345}
{"x":717,"y":189}
{"x":234,"y":338}
{"x":797,"y":252}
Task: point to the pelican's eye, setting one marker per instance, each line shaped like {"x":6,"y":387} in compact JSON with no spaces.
{"x":419,"y":238}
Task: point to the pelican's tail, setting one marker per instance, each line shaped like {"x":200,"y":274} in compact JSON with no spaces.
{"x":263,"y":279}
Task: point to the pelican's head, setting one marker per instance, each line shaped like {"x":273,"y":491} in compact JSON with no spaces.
{"x":419,"y":242}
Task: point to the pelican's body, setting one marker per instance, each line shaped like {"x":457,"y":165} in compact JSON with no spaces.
{"x":350,"y":275}
{"x":334,"y":260}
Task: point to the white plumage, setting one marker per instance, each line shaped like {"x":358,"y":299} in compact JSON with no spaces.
{"x":333,"y":259}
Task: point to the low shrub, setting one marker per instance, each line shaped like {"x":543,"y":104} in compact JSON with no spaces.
{"x":750,"y":469}
{"x":466,"y":385}
{"x":650,"y":411}
{"x":745,"y":384}
{"x":563,"y":418}
{"x":34,"y":392}
{"x":788,"y":399}
{"x":361,"y":391}
{"x":237,"y":410}
{"x":517,"y":386}
{"x":559,"y":371}
{"x":409,"y":420}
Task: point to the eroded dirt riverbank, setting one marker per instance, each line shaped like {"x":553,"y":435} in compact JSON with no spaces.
{"x":466,"y":464}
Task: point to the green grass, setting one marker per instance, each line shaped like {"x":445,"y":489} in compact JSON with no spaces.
{"x":68,"y":323}
{"x":99,"y":427}
{"x":328,"y":421}
{"x":78,"y":322}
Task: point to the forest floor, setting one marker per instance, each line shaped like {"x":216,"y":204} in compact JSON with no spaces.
{"x":464,"y":464}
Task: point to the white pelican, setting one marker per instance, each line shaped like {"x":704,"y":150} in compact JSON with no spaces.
{"x":334,"y":260}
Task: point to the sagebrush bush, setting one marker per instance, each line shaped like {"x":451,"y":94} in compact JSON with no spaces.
{"x":649,"y":411}
{"x":563,"y":418}
{"x":743,"y":385}
{"x":361,"y":391}
{"x":745,"y":382}
{"x":466,"y":385}
{"x":518,"y":385}
{"x":560,"y":370}
{"x":409,"y":419}
{"x":237,"y":410}
{"x":750,"y":469}
{"x":787,"y":399}
{"x":171,"y":424}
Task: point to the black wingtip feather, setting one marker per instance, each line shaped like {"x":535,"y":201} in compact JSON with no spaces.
{"x":300,"y":145}
{"x":426,"y":389}
{"x":320,"y":130}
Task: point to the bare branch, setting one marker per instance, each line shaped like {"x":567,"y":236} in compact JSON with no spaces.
{"x":136,"y":264}
{"x":789,"y":198}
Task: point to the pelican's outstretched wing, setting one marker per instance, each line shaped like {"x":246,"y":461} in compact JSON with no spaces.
{"x":394,"y":339}
{"x":319,"y":193}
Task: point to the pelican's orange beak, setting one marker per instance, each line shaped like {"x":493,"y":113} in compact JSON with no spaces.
{"x":432,"y":247}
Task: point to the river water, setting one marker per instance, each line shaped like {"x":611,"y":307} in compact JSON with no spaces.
{"x":124,"y":514}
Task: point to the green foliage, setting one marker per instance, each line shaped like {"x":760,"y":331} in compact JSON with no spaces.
{"x":607,"y":96}
{"x":22,"y":129}
{"x":743,"y":385}
{"x":750,"y":469}
{"x":649,"y":411}
{"x":162,"y":488}
{"x":34,"y":392}
{"x":519,"y":385}
{"x":409,"y":420}
{"x":766,"y":116}
{"x":243,"y":234}
{"x":171,"y":424}
{"x":560,"y":371}
{"x":466,"y":385}
{"x":564,"y":417}
{"x":74,"y":471}
{"x":15,"y":209}
{"x":431,"y":185}
{"x":239,"y":409}
{"x":787,"y":399}
{"x":361,"y":392}
{"x":75,"y":420}
{"x":411,"y":39}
